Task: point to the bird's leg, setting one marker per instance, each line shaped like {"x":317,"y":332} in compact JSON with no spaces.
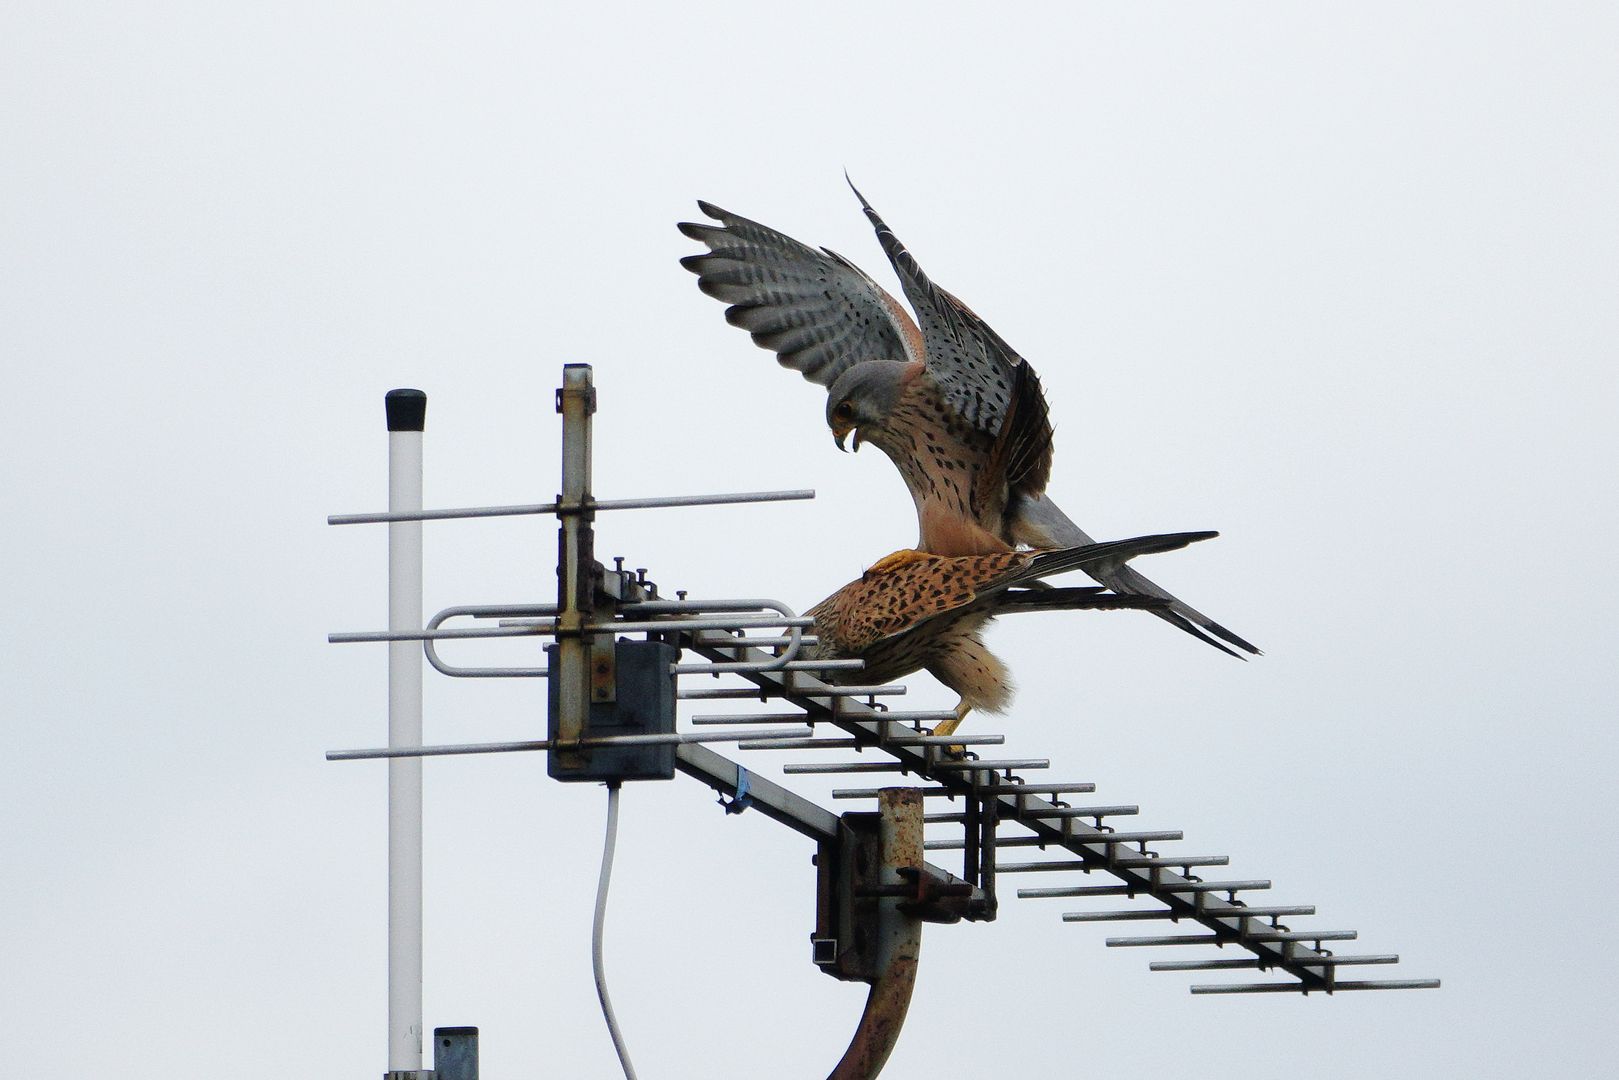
{"x":949,"y":727}
{"x":956,"y":750}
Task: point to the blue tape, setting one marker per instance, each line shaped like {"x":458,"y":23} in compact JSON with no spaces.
{"x":742,"y":800}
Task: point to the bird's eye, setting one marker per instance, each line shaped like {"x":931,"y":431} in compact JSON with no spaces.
{"x":844,"y":411}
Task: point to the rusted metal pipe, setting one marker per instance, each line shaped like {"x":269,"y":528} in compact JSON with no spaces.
{"x":899,"y":937}
{"x":576,"y":595}
{"x":880,"y":1024}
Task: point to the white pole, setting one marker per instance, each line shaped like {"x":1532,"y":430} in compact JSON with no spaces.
{"x":407,"y":410}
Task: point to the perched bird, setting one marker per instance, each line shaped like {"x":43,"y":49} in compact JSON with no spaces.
{"x":913,"y":610}
{"x":957,"y":410}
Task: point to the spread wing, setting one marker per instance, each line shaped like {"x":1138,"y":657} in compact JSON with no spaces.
{"x":1020,"y":457}
{"x":817,"y":311}
{"x":973,"y":366}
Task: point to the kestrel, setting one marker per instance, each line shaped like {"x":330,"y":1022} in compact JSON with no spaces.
{"x":913,"y":610}
{"x":952,"y":405}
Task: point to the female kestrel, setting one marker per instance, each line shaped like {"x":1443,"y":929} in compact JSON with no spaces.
{"x":913,"y":610}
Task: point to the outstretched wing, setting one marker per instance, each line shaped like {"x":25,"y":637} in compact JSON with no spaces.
{"x":1020,"y":457}
{"x":817,"y":311}
{"x":975,"y":369}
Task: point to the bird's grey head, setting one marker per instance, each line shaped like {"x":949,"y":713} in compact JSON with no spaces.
{"x":861,"y":399}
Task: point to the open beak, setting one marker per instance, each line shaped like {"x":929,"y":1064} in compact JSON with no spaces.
{"x":839,"y":436}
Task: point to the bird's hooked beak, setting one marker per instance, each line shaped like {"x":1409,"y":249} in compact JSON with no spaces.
{"x":841,"y":433}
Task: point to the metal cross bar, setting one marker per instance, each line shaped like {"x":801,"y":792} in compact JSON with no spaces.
{"x":884,"y":717}
{"x":1154,"y":913}
{"x":777,"y":743}
{"x":1253,"y":962}
{"x":1272,"y":911}
{"x":453,"y":749}
{"x":1301,"y":988}
{"x":1128,"y":890}
{"x":1125,"y":915}
{"x":1159,"y":861}
{"x":1076,"y":890}
{"x":530,"y":509}
{"x":1221,"y":886}
{"x":1165,"y":940}
{"x":1021,"y":789}
{"x":723,"y":719}
{"x":816,"y":767}
{"x":1041,"y":841}
{"x":1088,"y":811}
{"x":872,"y":793}
{"x":666,"y":625}
{"x":1237,"y":963}
{"x":1132,"y":837}
{"x":744,"y":693}
{"x":550,"y":627}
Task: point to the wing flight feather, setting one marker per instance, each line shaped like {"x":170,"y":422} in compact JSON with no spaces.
{"x":818,"y":312}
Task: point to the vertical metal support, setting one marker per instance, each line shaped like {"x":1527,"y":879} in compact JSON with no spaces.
{"x":973,"y":835}
{"x":407,"y":413}
{"x":455,"y":1053}
{"x":571,"y":675}
{"x":898,"y":935}
{"x":989,"y":817}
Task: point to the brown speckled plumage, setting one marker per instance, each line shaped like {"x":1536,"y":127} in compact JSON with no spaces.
{"x":913,"y":611}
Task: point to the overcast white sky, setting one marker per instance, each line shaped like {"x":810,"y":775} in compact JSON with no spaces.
{"x":1337,"y":279}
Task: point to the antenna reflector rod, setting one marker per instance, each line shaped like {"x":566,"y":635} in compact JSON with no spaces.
{"x":529,"y":509}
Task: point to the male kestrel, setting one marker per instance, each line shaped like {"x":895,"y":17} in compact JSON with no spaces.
{"x":913,"y":610}
{"x":957,"y":410}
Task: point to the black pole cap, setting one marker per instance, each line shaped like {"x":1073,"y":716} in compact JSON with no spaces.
{"x":407,"y":410}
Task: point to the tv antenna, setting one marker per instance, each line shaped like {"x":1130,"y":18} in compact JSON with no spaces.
{"x":618,"y":649}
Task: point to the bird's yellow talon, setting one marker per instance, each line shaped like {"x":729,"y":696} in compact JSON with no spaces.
{"x":897,"y":560}
{"x":948,"y":727}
